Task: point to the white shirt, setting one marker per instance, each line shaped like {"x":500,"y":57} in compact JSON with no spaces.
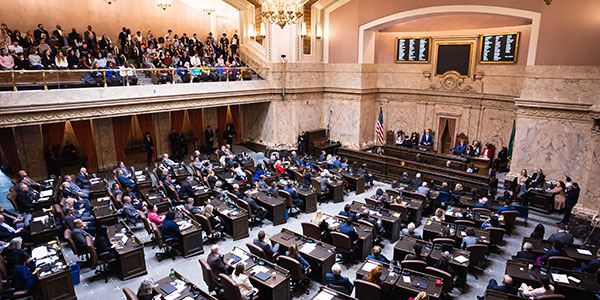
{"x":16,"y":49}
{"x":195,"y":61}
{"x":130,"y":71}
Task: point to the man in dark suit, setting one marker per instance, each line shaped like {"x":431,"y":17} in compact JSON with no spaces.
{"x":8,"y":231}
{"x":571,"y":200}
{"x":82,"y":180}
{"x":70,"y":217}
{"x":39,"y":31}
{"x":79,"y":235}
{"x":217,"y":263}
{"x":264,"y":243}
{"x":258,"y":210}
{"x":527,"y":254}
{"x":537,"y":179}
{"x":131,"y":214}
{"x":189,"y":206}
{"x":186,"y":190}
{"x":562,"y":235}
{"x":419,"y":159}
{"x":149,"y":146}
{"x":366,"y":215}
{"x":209,"y":135}
{"x":175,"y":143}
{"x":236,"y":191}
{"x":295,"y":198}
{"x":336,"y":278}
{"x":417,"y":182}
{"x":347,"y":229}
{"x":593,"y":265}
{"x":124,"y":180}
{"x":427,"y":139}
{"x":404,"y":179}
{"x":417,"y":248}
{"x":25,"y":198}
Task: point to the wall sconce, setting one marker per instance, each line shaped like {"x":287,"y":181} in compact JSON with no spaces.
{"x":319,"y":31}
{"x":263,"y":29}
{"x":251,"y":31}
{"x":303,"y":29}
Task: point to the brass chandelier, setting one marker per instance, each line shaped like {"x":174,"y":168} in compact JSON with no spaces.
{"x":164,"y":4}
{"x":110,"y":1}
{"x":281,"y":12}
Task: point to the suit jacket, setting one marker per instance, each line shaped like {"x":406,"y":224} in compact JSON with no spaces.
{"x":238,"y":194}
{"x":148,"y":143}
{"x":192,"y":209}
{"x":564,"y":237}
{"x":292,"y":192}
{"x":527,"y":255}
{"x":130,"y":212}
{"x":5,"y":234}
{"x":70,"y":221}
{"x":349,"y":231}
{"x":268,"y":249}
{"x":126,"y":181}
{"x":170,"y":230}
{"x":253,"y":204}
{"x":493,"y":285}
{"x":416,"y":182}
{"x":217,"y":265}
{"x":25,"y":200}
{"x":82,"y":181}
{"x":339,"y":280}
{"x":536,"y":180}
{"x":591,"y":267}
{"x":79,"y":236}
{"x":427,"y":138}
{"x":186,"y":191}
{"x":208,"y":136}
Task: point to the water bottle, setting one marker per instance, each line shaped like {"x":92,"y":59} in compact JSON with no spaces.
{"x":172,"y":274}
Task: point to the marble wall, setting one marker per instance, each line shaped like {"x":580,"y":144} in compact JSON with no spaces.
{"x":30,"y":148}
{"x":104,"y":141}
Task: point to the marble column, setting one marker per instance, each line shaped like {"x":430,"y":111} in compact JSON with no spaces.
{"x":162,"y":128}
{"x":30,"y":147}
{"x":104,"y":141}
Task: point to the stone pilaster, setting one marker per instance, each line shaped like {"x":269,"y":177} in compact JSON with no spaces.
{"x":30,"y":147}
{"x":104,"y":141}
{"x":162,"y":128}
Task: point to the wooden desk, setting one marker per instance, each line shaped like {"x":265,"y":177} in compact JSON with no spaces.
{"x":321,"y":258}
{"x":309,"y":197}
{"x":329,"y":148}
{"x":541,"y":200}
{"x":201,"y":194}
{"x":415,"y":284}
{"x":228,"y":179}
{"x":460,"y":268}
{"x":277,"y":287}
{"x":430,"y":157}
{"x":153,"y":196}
{"x":496,"y":295}
{"x":481,"y":163}
{"x":327,"y":293}
{"x":390,"y":275}
{"x":414,"y":207}
{"x":483,"y":236}
{"x":356,"y":180}
{"x":391,"y":220}
{"x":97,"y":188}
{"x":142,"y":179}
{"x":47,"y":200}
{"x":365,"y":234}
{"x":43,"y":229}
{"x":585,"y":289}
{"x":275,"y":206}
{"x":54,"y":283}
{"x":542,"y":246}
{"x":104,"y":211}
{"x":181,"y":173}
{"x":337,"y":191}
{"x":404,"y":246}
{"x":236,"y":219}
{"x":130,"y":256}
{"x":521,"y":273}
{"x":191,"y":238}
{"x":190,"y":290}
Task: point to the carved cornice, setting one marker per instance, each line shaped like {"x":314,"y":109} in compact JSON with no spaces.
{"x":574,"y":112}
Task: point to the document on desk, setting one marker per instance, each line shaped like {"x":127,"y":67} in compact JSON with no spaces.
{"x":41,"y":199}
{"x":324,"y":296}
{"x":46,"y":193}
{"x":42,"y":219}
{"x":406,"y":279}
{"x":576,"y":280}
{"x":39,"y":252}
{"x":138,"y":173}
{"x":584,"y":252}
{"x":225,"y":212}
{"x":461,"y":259}
{"x":307,"y":248}
{"x":369,"y":266}
{"x":258,"y":269}
{"x":560,"y":278}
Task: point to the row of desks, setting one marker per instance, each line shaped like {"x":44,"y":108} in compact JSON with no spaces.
{"x":575,"y":252}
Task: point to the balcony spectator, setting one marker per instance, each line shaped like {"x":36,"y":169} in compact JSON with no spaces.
{"x":6,"y":61}
{"x":60,"y":61}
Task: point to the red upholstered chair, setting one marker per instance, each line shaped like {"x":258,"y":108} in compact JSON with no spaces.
{"x":129,"y":294}
{"x":366,"y":290}
{"x":415,"y":265}
{"x":311,"y":230}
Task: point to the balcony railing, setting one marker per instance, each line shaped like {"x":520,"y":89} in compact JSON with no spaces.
{"x":71,"y":78}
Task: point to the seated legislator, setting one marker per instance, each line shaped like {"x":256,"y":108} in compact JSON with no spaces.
{"x":376,"y":255}
{"x":336,"y":278}
{"x":460,"y":148}
{"x":217,"y":263}
{"x":26,"y":198}
{"x":262,"y":241}
{"x":124,"y":180}
{"x":242,"y":280}
{"x":417,"y":249}
{"x":410,"y":231}
{"x":592,"y":266}
{"x":258,"y":210}
{"x":527,"y":253}
{"x":562,"y":235}
{"x":82,"y":179}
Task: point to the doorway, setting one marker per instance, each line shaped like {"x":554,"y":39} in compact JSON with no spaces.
{"x":446,"y":134}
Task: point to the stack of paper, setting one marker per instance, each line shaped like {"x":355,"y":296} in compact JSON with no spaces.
{"x":46,"y":193}
{"x":461,"y":259}
{"x":39,"y":252}
{"x":308,"y":248}
{"x":560,"y":278}
{"x":324,"y":296}
{"x":138,"y":173}
{"x":369,"y":266}
{"x":584,"y":252}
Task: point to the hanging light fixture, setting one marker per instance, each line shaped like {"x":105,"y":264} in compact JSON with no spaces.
{"x":110,"y":1}
{"x":164,"y":4}
{"x":209,"y":11}
{"x":281,"y":12}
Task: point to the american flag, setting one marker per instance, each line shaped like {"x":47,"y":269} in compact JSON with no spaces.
{"x":379,"y":127}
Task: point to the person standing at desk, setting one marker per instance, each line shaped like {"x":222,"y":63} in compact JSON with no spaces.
{"x":82,"y":179}
{"x":208,"y":139}
{"x":572,"y":197}
{"x":175,"y":146}
{"x":336,"y":278}
{"x":262,"y":241}
{"x":149,"y":146}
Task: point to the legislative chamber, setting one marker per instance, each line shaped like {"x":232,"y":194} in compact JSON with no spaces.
{"x":285,"y":149}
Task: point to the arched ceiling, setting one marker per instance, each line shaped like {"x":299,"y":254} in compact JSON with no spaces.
{"x":455,"y":21}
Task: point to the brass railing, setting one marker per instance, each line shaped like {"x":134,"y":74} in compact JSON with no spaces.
{"x":172,"y":72}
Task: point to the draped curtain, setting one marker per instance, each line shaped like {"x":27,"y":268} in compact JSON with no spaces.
{"x":177,"y":120}
{"x":9,"y":148}
{"x":53,"y":134}
{"x":235,"y":115}
{"x":197,"y":123}
{"x":121,"y":130}
{"x":83,"y":131}
{"x":450,"y":124}
{"x":221,"y":120}
{"x":146,"y":125}
{"x":451,"y":130}
{"x":443,"y":124}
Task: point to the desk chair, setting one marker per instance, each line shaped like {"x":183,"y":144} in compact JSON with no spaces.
{"x":129,"y":294}
{"x":477,"y":258}
{"x":82,"y":254}
{"x":561,"y":262}
{"x":372,"y":202}
{"x":444,"y":198}
{"x":292,"y":209}
{"x":311,"y":230}
{"x":298,"y":177}
{"x":297,"y":276}
{"x":447,"y":283}
{"x":496,"y":237}
{"x":322,"y":196}
{"x":252,"y":218}
{"x":468,"y":223}
{"x":11,"y":293}
{"x":12,"y":197}
{"x":211,"y":233}
{"x":101,"y":267}
{"x":166,"y":245}
{"x":230,"y":288}
{"x":339,"y":288}
{"x":509,"y":219}
{"x":392,"y":192}
{"x":441,"y":241}
{"x":366,"y":290}
{"x":256,"y":250}
{"x":209,"y":277}
{"x":415,"y":265}
{"x":551,"y":297}
{"x":523,"y":212}
{"x":481,"y":210}
{"x":343,"y":245}
{"x":402,"y":210}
